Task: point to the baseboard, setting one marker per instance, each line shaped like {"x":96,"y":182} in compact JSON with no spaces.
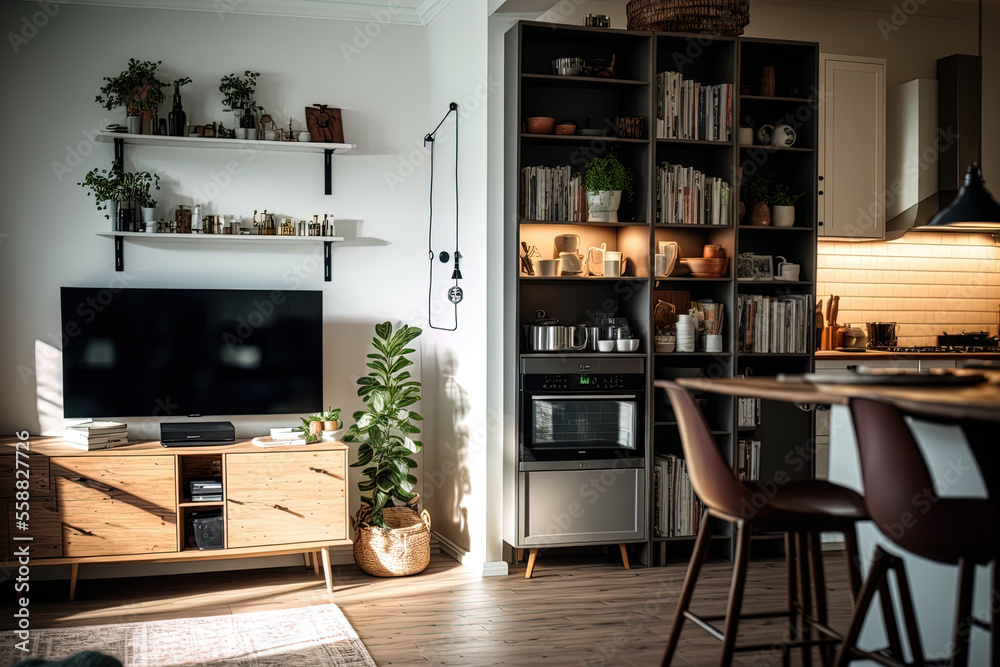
{"x":468,"y":559}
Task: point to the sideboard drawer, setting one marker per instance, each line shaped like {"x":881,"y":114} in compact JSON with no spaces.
{"x":273,"y":498}
{"x":117,"y":528}
{"x":38,"y":475}
{"x":44,"y":529}
{"x":139,"y":480}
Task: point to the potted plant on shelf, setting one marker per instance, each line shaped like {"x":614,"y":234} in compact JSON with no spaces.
{"x":104,"y":185}
{"x":137,"y":89}
{"x":605,"y":178}
{"x":237,"y":95}
{"x":390,"y":540}
{"x":321,"y":426}
{"x":756,"y":195}
{"x":134,"y":191}
{"x":783,"y":204}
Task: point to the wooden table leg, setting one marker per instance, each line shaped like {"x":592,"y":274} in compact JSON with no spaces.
{"x":531,"y":563}
{"x":308,"y":558}
{"x":73,"y":572}
{"x":315,"y":561}
{"x":624,"y":555}
{"x":520,"y":555}
{"x":327,"y":573}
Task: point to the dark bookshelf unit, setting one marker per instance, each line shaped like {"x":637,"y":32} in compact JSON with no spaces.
{"x":531,"y":89}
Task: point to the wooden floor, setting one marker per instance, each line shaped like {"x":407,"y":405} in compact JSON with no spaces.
{"x":585,"y":611}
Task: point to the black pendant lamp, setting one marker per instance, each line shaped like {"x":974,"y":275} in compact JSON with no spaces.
{"x":974,"y":209}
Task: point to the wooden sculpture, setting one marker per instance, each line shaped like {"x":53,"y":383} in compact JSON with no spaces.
{"x":325,"y":124}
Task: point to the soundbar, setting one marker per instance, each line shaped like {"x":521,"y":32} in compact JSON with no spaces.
{"x":193,"y":434}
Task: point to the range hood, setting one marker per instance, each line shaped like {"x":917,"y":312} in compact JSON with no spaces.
{"x":933,"y":130}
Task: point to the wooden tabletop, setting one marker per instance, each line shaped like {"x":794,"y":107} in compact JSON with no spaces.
{"x":979,"y":402}
{"x":861,"y":355}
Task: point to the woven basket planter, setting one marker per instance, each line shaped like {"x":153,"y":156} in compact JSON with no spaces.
{"x":717,"y":17}
{"x":404,"y":549}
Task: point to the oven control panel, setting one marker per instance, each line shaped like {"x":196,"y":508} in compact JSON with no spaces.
{"x":596,"y":382}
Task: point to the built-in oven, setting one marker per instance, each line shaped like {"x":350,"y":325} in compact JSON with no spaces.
{"x":581,"y":453}
{"x":582,"y":410}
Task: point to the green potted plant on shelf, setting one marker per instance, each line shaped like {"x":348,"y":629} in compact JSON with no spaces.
{"x":135,"y":187}
{"x":783,"y":205}
{"x":322,"y":425}
{"x":756,"y":194}
{"x":238,"y":96}
{"x":605,"y":178}
{"x":138,"y":89}
{"x":390,"y":540}
{"x":104,"y":185}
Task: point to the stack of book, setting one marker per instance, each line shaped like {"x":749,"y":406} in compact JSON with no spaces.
{"x":686,"y":109}
{"x":685,"y":195}
{"x":96,"y":435}
{"x":748,"y":460}
{"x":774,"y":324}
{"x":678,"y":510}
{"x":552,"y":193}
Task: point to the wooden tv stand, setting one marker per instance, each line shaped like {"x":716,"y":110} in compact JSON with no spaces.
{"x":129,"y":504}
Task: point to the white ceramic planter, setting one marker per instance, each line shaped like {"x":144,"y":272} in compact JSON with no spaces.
{"x":148,"y":214}
{"x":603,"y":205}
{"x":134,"y":124}
{"x":783,"y":216}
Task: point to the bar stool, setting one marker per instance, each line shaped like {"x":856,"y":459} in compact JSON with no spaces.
{"x":800,"y":509}
{"x":955,"y":531}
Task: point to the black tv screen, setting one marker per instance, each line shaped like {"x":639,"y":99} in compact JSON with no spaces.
{"x":191,"y":352}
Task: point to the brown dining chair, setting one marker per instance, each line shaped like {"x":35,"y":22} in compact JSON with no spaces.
{"x":800,"y":509}
{"x":901,"y":500}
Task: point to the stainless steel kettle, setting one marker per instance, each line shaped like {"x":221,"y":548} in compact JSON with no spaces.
{"x":555,"y":337}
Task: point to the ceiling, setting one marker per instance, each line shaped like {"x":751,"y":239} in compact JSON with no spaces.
{"x":403,"y":12}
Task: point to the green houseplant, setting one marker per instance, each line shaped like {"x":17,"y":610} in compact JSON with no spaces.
{"x":757,"y":194}
{"x":120,"y":193}
{"x":604,"y":179}
{"x":390,"y":540}
{"x":237,"y":95}
{"x":104,"y":184}
{"x":314,"y":426}
{"x":138,"y":89}
{"x":783,"y":205}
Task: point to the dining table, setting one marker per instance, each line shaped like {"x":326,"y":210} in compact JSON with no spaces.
{"x":951,"y":422}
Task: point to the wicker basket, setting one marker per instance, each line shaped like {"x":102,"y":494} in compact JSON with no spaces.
{"x":717,"y":17}
{"x":404,"y":549}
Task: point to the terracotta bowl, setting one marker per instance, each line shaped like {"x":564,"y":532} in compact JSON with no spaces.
{"x":565,"y":129}
{"x":539,"y":125}
{"x":707,"y":267}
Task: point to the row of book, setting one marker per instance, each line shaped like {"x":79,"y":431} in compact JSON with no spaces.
{"x":685,"y":195}
{"x":96,"y":435}
{"x":774,"y":324}
{"x":677,"y":510}
{"x":686,"y":109}
{"x":748,"y":459}
{"x":747,"y":412}
{"x":552,"y":193}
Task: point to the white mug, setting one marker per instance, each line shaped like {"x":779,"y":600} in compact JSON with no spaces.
{"x":787,"y":270}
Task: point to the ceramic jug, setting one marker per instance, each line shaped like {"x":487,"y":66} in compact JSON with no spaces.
{"x":572,"y":263}
{"x":594,"y":262}
{"x":671,"y":250}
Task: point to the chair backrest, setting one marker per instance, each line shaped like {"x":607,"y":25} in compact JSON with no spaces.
{"x":711,"y":476}
{"x":899,"y":491}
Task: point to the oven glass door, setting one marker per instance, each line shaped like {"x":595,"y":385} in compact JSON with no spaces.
{"x":566,"y":423}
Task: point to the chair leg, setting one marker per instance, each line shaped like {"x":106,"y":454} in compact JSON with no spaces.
{"x":687,"y":590}
{"x":743,"y":531}
{"x":853,"y":562}
{"x":889,"y":614}
{"x":963,"y":613}
{"x":805,"y":596}
{"x":994,"y":626}
{"x":876,"y":575}
{"x":909,"y":615}
{"x":819,"y":591}
{"x":793,"y":596}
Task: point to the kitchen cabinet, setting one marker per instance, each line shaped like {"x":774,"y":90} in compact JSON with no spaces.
{"x":852,"y":147}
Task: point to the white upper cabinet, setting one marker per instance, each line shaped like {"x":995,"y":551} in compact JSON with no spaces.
{"x":852,"y":147}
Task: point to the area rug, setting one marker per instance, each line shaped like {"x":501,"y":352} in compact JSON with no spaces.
{"x":317,"y":636}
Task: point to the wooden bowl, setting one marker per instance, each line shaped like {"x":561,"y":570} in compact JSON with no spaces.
{"x":707,"y":267}
{"x":565,"y":129}
{"x":539,"y":125}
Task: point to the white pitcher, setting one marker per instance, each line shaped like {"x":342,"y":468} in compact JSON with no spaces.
{"x":671,"y":250}
{"x":594,"y":263}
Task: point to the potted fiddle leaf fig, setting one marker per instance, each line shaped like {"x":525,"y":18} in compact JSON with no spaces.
{"x":391,"y":538}
{"x":138,"y":89}
{"x":238,"y":96}
{"x":604,"y":178}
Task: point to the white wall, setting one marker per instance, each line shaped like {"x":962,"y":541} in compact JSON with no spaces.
{"x":47,"y":234}
{"x":459,"y":489}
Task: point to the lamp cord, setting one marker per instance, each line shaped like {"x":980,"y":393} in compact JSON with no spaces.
{"x":429,"y":138}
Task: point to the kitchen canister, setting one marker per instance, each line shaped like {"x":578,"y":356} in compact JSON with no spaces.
{"x":685,"y":334}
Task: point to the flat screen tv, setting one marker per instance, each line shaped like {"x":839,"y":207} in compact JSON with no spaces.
{"x":191,"y":352}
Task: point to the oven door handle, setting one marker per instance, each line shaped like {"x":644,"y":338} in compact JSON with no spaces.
{"x":586,"y":397}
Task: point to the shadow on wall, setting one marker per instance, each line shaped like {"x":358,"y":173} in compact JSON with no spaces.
{"x":448,"y":482}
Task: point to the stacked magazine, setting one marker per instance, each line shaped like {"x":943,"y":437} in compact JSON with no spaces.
{"x":686,"y":109}
{"x":678,"y":511}
{"x":685,"y":195}
{"x":553,"y":194}
{"x":748,"y":459}
{"x":774,"y":324}
{"x":96,"y":435}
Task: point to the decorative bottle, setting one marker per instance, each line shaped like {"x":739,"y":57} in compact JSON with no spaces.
{"x":177,"y":118}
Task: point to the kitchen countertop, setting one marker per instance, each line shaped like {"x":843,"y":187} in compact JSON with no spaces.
{"x":834,"y":355}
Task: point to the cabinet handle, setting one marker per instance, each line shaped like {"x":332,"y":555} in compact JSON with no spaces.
{"x":821,"y":193}
{"x":319,"y":470}
{"x":279,"y":507}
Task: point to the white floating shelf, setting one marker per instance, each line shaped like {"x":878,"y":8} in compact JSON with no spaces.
{"x":232,"y":144}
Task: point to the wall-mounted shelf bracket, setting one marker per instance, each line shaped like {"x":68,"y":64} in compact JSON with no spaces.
{"x":327,"y":261}
{"x":328,"y":171}
{"x":119,"y":253}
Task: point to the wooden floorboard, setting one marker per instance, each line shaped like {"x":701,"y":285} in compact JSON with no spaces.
{"x":576,"y":610}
